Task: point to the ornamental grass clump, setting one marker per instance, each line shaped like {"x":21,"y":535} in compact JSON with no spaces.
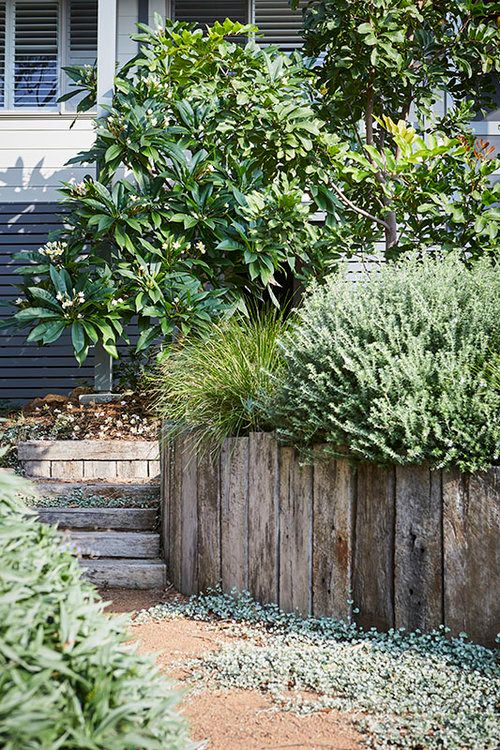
{"x":391,"y":369}
{"x":67,"y":679}
{"x":217,"y":383}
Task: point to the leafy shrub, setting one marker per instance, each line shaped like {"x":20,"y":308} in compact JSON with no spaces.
{"x":211,"y":205}
{"x":216,"y":382}
{"x":389,"y":368}
{"x":66,"y":678}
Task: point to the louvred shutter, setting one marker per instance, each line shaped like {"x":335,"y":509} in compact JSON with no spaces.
{"x":278,"y":24}
{"x":206,"y":13}
{"x":36,"y":64}
{"x":82,"y":32}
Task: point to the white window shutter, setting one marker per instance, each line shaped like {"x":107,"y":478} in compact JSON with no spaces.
{"x":82,"y":32}
{"x":206,"y":13}
{"x":36,"y":55}
{"x":278,"y":24}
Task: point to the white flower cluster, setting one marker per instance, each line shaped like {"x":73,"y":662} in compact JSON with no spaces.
{"x":115,"y":302}
{"x":176,"y":245}
{"x":53,"y":250}
{"x":69,"y":301}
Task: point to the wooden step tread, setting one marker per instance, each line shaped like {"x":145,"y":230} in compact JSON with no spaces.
{"x":131,"y":544}
{"x":132,"y":519}
{"x":133,"y":492}
{"x":127,"y":574}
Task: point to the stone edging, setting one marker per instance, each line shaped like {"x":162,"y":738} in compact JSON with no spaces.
{"x":90,"y":459}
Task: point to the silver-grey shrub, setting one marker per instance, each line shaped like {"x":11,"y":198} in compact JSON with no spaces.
{"x":391,"y":368}
{"x":68,"y":681}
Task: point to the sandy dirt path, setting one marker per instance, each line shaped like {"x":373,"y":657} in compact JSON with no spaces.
{"x":234,"y":719}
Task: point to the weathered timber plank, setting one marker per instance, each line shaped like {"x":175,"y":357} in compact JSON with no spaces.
{"x":373,"y":589}
{"x":418,"y":549}
{"x":166,"y":457}
{"x":133,"y":493}
{"x":126,"y":574}
{"x":234,"y":513}
{"x":471,"y":526}
{"x":98,"y":450}
{"x":295,"y":533}
{"x":115,"y":543}
{"x":174,"y":542}
{"x":189,"y":512}
{"x":333,"y":537}
{"x":263,"y":512}
{"x":208,"y":491}
{"x":137,"y":519}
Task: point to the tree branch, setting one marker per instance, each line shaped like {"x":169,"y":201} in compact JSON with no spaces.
{"x":345,"y":200}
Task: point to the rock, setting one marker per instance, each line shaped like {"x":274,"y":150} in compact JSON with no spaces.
{"x":75,"y":394}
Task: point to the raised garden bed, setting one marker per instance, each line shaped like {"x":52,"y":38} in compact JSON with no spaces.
{"x":391,"y":547}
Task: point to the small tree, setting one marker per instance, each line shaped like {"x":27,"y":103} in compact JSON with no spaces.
{"x":385,"y":64}
{"x":203,"y":163}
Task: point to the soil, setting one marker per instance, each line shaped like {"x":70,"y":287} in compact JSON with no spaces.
{"x":63,"y":417}
{"x":232,"y":719}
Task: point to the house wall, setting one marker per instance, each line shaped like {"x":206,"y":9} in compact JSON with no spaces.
{"x":34,"y":151}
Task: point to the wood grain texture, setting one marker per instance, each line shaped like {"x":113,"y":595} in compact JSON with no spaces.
{"x":115,"y":543}
{"x":263,"y":570}
{"x":98,"y":450}
{"x":174,"y":546}
{"x":471,"y":526}
{"x":126,"y":574}
{"x":418,"y":549}
{"x":209,"y":546}
{"x":132,"y":492}
{"x":189,"y":513}
{"x":165,"y":477}
{"x":333,"y":536}
{"x":373,"y":589}
{"x":137,"y":519}
{"x":234,"y":513}
{"x":295,"y":533}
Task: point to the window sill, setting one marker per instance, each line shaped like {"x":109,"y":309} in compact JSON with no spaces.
{"x":21,"y":114}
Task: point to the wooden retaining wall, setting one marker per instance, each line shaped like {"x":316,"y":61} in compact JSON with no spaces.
{"x":407,"y":547}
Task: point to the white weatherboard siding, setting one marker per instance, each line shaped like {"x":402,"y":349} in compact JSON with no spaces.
{"x":35,"y":147}
{"x":34,"y":150}
{"x":128,"y":13}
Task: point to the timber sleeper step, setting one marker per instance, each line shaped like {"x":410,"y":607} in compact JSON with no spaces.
{"x":130,"y":519}
{"x":99,"y":544}
{"x":134,"y":493}
{"x":126,"y":573}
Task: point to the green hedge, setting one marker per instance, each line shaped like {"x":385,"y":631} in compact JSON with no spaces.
{"x":396,"y":368}
{"x":67,"y":679}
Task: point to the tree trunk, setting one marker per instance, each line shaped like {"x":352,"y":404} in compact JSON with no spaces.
{"x":391,"y":231}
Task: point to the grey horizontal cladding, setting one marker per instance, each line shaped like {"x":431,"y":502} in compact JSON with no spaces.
{"x":28,"y":370}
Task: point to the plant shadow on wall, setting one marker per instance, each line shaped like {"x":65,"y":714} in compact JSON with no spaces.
{"x":216,"y":156}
